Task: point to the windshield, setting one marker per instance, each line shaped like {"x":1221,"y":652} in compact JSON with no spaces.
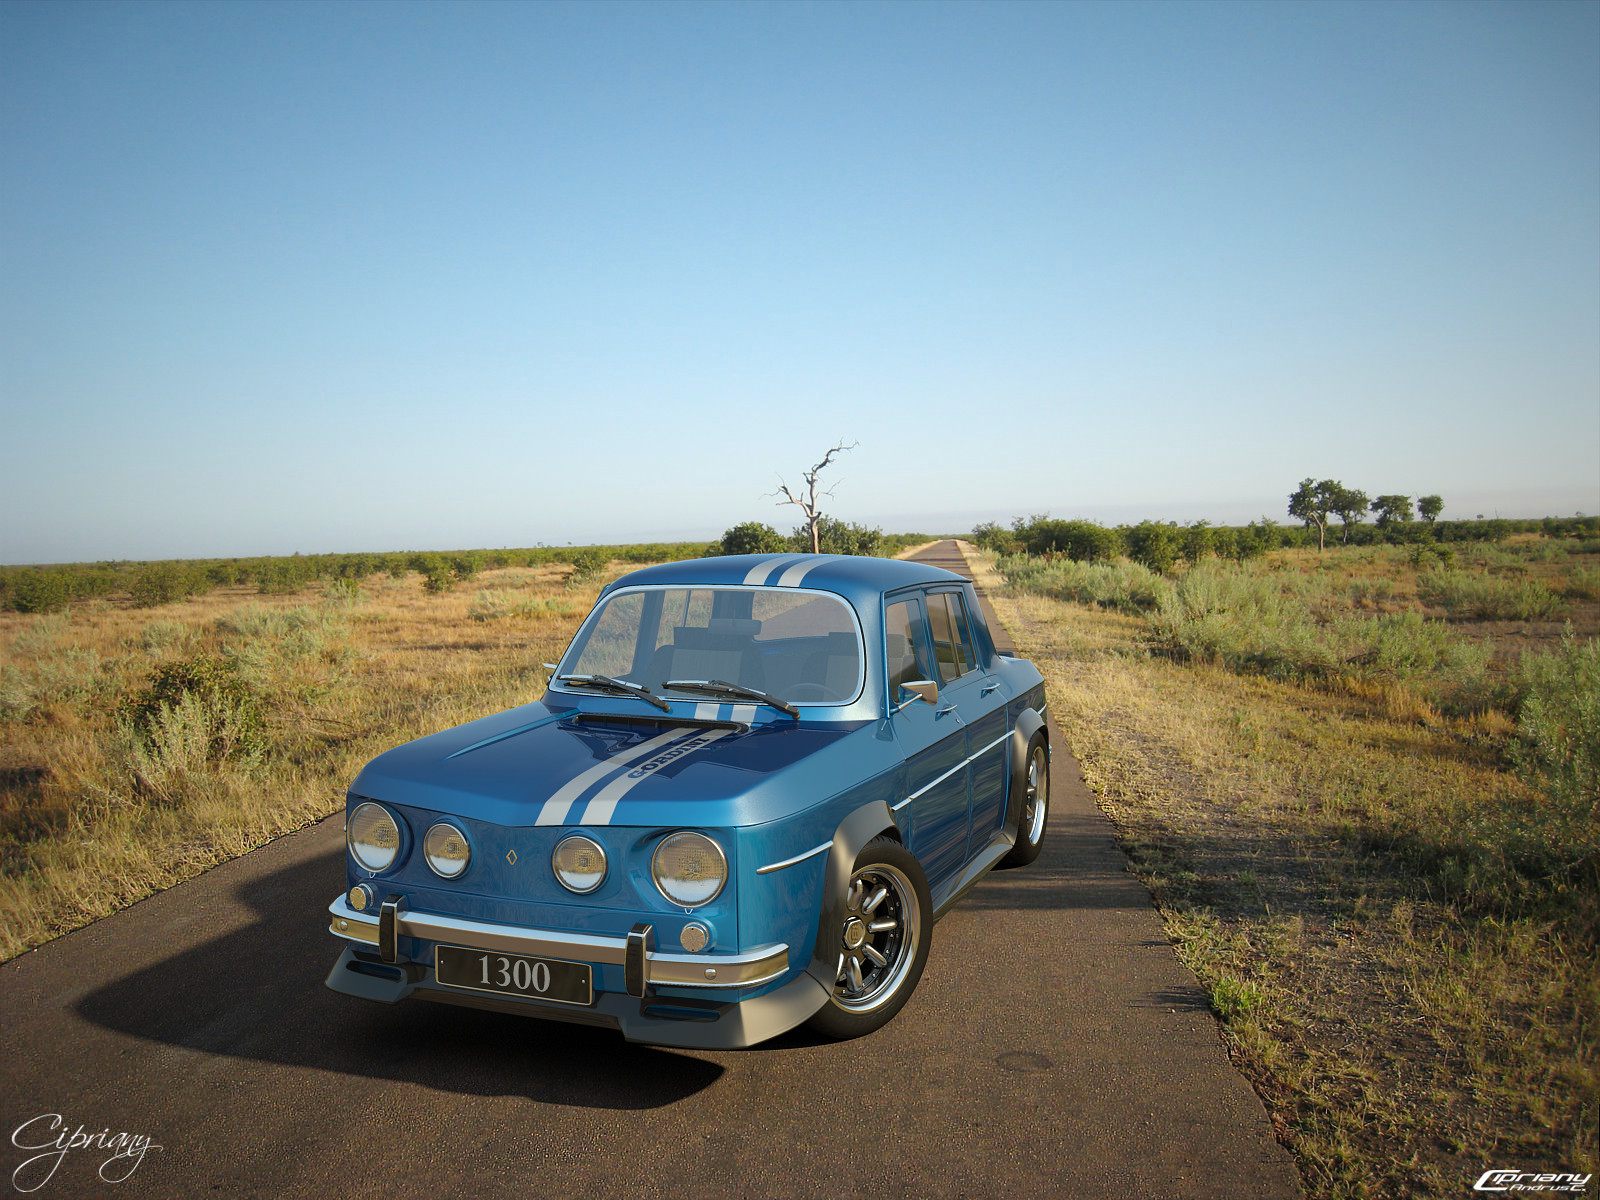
{"x":803,"y":647}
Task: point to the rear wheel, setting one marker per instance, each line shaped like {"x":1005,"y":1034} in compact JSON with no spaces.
{"x":1035,"y":805}
{"x":882,"y":941}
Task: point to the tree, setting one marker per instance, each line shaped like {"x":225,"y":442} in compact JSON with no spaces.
{"x":752,"y":537}
{"x":1152,"y":544}
{"x":1429,"y":508}
{"x":809,"y":499}
{"x":1312,"y":502}
{"x":1350,"y":506}
{"x":1081,"y":541}
{"x":1197,"y":542}
{"x":1392,"y":510}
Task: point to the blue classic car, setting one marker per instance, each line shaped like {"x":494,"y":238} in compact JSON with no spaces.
{"x":752,"y":787}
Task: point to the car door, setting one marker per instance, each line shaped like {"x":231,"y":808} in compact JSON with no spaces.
{"x":969,"y":683}
{"x":935,"y":814}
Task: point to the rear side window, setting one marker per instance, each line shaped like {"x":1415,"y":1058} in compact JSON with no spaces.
{"x":952,"y":640}
{"x":903,"y":647}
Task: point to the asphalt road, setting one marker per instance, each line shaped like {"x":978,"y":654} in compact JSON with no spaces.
{"x":1055,"y":1047}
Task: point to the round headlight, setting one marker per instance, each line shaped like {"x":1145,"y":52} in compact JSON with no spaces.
{"x":579,"y":864}
{"x":690,"y":869}
{"x":373,"y":837}
{"x":446,"y":850}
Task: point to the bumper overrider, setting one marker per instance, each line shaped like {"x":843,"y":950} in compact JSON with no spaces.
{"x":700,"y":1004}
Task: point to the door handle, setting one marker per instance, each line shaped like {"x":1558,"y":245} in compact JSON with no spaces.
{"x":939,"y":712}
{"x":987,"y":688}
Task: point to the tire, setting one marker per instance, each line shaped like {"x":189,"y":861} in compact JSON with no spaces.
{"x":897,"y":928}
{"x":1035,"y":805}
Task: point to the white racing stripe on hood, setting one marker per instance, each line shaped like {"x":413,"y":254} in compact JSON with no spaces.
{"x":605,"y":803}
{"x":554,"y":811}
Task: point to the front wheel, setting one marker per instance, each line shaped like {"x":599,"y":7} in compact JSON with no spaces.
{"x":1035,"y":806}
{"x":882,"y":941}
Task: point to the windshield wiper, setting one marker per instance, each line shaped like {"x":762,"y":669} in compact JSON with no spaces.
{"x":718,"y":687}
{"x":619,"y":686}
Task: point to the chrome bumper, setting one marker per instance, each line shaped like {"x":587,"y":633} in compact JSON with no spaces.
{"x":758,"y":966}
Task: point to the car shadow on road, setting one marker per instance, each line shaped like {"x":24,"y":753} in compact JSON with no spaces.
{"x":257,"y":993}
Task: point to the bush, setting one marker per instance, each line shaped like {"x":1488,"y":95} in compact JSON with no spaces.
{"x":1474,"y":596}
{"x":1153,"y":544}
{"x":752,"y":537}
{"x":34,"y":591}
{"x":839,"y":537}
{"x":202,"y":701}
{"x":586,"y":564}
{"x":1559,"y":725}
{"x":1082,"y":541}
{"x":1583,"y":584}
{"x":990,"y":536}
{"x":1197,"y":542}
{"x":1123,"y":586}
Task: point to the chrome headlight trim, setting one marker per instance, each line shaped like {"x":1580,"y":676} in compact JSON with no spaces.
{"x":678,"y":838}
{"x":441,"y":848}
{"x":370,"y":856}
{"x":580,"y":843}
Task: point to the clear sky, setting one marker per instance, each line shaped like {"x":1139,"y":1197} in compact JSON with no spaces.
{"x":303,"y":276}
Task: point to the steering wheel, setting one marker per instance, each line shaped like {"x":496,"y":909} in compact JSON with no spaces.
{"x":822,"y":692}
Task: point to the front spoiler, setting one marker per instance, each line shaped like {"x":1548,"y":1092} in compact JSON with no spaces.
{"x":663,"y":1021}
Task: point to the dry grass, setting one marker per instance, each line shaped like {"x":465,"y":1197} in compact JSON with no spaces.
{"x":97,"y":812}
{"x":1339,"y":867}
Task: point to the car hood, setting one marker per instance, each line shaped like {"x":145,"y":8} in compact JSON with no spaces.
{"x":534,"y":766}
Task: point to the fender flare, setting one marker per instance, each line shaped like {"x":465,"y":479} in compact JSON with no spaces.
{"x":854,"y":832}
{"x":1029,"y":722}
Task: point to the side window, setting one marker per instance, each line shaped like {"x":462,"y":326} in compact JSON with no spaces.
{"x":964,"y":639}
{"x":945,"y":645}
{"x":952,"y":637}
{"x":902,"y":647}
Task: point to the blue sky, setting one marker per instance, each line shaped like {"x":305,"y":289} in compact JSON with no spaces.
{"x":280,"y":277}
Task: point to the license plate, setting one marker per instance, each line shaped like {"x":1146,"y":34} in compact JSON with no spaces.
{"x":514,"y":974}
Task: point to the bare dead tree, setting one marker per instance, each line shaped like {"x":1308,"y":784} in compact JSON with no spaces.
{"x":809,"y":498}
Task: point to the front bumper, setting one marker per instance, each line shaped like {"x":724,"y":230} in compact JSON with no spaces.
{"x":751,"y":969}
{"x":374,"y":968}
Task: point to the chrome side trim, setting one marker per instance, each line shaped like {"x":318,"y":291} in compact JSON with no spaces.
{"x":789,"y":862}
{"x":971,"y":758}
{"x":760,"y":965}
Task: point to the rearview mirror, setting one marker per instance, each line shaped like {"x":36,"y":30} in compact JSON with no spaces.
{"x":918,"y":689}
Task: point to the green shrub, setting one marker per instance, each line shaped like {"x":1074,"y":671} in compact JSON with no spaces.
{"x":1559,"y":724}
{"x":1153,"y":544}
{"x":991,"y":536}
{"x":1082,"y":541}
{"x":586,"y":564}
{"x":839,"y":537}
{"x":346,"y":592}
{"x":495,"y":603}
{"x":35,"y":591}
{"x":752,"y":537}
{"x":1123,"y":586}
{"x":1583,"y":584}
{"x":204,"y":702}
{"x":1471,"y":595}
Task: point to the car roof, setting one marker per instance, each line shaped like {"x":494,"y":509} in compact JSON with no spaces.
{"x":847,"y":574}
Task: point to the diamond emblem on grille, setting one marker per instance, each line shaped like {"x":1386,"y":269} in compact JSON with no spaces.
{"x":511,"y":857}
